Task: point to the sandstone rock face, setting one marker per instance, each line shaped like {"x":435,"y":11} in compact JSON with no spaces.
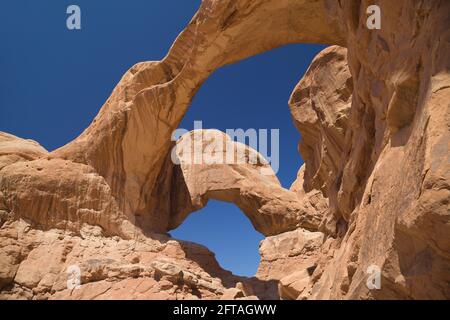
{"x":320,"y":106}
{"x":36,"y":264}
{"x":14,"y":149}
{"x":374,"y":189}
{"x":70,"y":194}
{"x":389,"y":198}
{"x":152,"y":97}
{"x":247,"y":180}
{"x":288,"y":252}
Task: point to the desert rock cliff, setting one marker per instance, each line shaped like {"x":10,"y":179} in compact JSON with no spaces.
{"x":373,"y":111}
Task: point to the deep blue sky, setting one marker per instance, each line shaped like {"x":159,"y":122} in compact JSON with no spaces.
{"x":53,"y":82}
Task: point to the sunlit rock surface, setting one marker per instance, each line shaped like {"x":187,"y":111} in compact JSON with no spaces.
{"x":373,"y":111}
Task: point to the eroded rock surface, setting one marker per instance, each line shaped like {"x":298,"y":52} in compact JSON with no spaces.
{"x":247,"y":180}
{"x":35,"y":264}
{"x":374,"y":190}
{"x":152,"y":97}
{"x":14,"y":149}
{"x":392,"y":191}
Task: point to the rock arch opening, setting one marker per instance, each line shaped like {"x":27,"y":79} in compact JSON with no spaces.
{"x":224,"y":230}
{"x":240,"y":96}
{"x":374,"y":211}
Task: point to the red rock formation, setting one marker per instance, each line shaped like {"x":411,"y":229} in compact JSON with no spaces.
{"x":248,"y":181}
{"x":374,"y":189}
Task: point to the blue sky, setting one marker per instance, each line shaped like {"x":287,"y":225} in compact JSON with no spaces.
{"x":54,"y":81}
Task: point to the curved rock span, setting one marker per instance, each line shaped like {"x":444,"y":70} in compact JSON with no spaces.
{"x":251,"y":185}
{"x":373,"y":112}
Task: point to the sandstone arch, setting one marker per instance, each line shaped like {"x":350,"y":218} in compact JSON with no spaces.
{"x":152,"y":97}
{"x":252,"y":186}
{"x":387,"y":195}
